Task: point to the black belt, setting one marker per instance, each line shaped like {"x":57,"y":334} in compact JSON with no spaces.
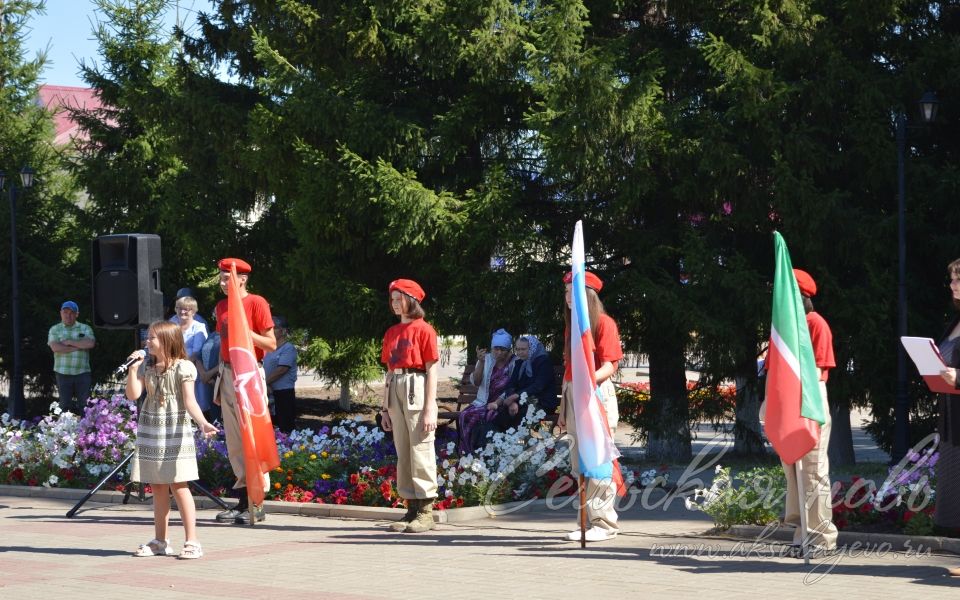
{"x":406,"y":371}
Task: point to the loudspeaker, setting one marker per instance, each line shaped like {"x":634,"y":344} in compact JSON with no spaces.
{"x":126,"y":280}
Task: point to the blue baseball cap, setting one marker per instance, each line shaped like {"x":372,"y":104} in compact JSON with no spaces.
{"x":71,"y":305}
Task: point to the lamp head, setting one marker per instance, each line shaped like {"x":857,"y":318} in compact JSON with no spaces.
{"x":928,"y":107}
{"x":26,"y":177}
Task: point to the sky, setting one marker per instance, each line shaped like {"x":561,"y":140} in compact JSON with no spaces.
{"x":66,"y":29}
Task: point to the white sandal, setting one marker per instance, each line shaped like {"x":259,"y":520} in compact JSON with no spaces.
{"x":155,"y":548}
{"x":191,"y":550}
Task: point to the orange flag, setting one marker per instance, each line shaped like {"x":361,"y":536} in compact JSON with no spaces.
{"x":259,"y":442}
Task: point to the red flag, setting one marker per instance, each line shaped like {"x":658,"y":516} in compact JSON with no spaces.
{"x":259,"y":442}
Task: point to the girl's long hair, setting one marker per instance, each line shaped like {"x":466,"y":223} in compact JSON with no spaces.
{"x":170,"y":339}
{"x":594,"y":310}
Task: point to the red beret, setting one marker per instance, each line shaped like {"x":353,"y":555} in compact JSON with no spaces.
{"x":591,"y":280}
{"x":808,"y":287}
{"x":408,"y":287}
{"x":242,"y":265}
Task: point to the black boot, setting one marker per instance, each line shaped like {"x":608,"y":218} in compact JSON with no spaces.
{"x":230,"y":515}
{"x":252,"y":512}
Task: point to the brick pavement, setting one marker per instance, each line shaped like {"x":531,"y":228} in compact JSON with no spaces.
{"x":44,"y":555}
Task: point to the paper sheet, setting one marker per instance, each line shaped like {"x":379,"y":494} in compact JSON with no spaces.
{"x":924,"y":353}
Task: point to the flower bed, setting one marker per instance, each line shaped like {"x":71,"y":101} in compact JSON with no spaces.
{"x":902,"y":503}
{"x":351,"y":462}
{"x":707,"y":404}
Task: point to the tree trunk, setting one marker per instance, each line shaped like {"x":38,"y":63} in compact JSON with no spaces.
{"x":747,"y":434}
{"x":345,"y":394}
{"x":840,"y":450}
{"x":669,"y":441}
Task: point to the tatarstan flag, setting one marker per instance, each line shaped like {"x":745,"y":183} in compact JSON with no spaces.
{"x":256,"y":430}
{"x":794,"y":406}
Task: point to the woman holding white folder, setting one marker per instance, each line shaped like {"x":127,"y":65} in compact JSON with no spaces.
{"x":947,"y":512}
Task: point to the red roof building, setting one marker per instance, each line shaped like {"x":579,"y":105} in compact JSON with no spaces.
{"x":55,"y":98}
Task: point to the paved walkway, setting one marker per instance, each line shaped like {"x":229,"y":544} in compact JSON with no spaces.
{"x":662,"y":551}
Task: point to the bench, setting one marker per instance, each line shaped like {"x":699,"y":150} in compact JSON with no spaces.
{"x":468,"y":393}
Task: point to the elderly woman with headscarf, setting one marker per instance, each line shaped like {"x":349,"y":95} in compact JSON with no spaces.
{"x":535,"y":377}
{"x":491,"y":376}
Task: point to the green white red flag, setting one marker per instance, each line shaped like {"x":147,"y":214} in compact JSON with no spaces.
{"x":795,"y":408}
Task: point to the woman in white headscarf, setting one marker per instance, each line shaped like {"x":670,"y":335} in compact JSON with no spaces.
{"x":491,"y":376}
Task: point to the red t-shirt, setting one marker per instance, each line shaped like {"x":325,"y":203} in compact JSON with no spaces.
{"x":822,"y":339}
{"x":608,"y":348}
{"x":409,"y":346}
{"x":258,"y":317}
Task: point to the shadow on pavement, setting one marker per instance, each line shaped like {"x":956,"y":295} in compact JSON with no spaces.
{"x":63,"y":551}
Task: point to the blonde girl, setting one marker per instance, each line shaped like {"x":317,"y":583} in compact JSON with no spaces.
{"x":165,"y":455}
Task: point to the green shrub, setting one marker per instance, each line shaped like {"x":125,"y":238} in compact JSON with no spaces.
{"x":754,"y":497}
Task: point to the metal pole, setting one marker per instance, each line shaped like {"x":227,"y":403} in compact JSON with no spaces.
{"x":583,"y":510}
{"x":901,"y":408}
{"x":16,"y":377}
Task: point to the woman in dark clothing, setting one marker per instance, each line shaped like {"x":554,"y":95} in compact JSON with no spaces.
{"x":947,"y":512}
{"x":535,"y":377}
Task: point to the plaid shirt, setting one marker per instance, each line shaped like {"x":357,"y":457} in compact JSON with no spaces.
{"x":70,"y":363}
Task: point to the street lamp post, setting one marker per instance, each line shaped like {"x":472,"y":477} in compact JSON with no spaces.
{"x":15,"y":402}
{"x":901,"y":407}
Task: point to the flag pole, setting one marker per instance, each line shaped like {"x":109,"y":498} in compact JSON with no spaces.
{"x":802,"y":497}
{"x":583,"y":511}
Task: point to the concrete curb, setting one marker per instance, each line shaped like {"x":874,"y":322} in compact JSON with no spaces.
{"x":344,"y":511}
{"x":853,"y":540}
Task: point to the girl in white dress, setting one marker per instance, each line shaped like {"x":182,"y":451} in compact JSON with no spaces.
{"x":165,"y":455}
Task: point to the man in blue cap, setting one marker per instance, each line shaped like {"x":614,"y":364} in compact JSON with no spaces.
{"x":71,"y":343}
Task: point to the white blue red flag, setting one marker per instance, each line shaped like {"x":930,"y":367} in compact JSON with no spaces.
{"x":597,"y":452}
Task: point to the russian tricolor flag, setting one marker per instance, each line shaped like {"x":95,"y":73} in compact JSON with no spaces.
{"x":597,"y":452}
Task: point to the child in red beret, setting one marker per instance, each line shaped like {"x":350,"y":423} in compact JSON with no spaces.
{"x":601,"y":512}
{"x":409,"y":407}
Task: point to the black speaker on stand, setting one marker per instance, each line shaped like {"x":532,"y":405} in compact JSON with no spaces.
{"x":127,"y":295}
{"x":126,"y":280}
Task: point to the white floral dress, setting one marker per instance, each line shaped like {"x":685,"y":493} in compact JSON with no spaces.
{"x":165,"y":451}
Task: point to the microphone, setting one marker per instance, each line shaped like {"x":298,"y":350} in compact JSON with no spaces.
{"x":123,"y":368}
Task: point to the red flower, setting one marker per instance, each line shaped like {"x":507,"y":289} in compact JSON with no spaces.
{"x":459,"y":502}
{"x":354,"y":478}
{"x":385,"y":487}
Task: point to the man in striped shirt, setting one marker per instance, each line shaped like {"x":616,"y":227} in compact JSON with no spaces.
{"x":71,"y":343}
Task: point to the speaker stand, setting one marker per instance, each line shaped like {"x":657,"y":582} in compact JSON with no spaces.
{"x":128,"y":487}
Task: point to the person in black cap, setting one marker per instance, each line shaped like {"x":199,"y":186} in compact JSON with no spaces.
{"x":186,"y":292}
